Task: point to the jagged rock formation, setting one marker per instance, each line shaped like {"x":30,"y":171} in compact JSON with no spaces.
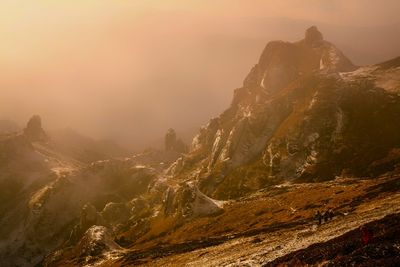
{"x":304,"y":113}
{"x":34,"y":131}
{"x":189,"y":201}
{"x":170,"y":139}
{"x":172,"y":143}
{"x":96,"y":240}
{"x":89,"y":217}
{"x":313,"y":37}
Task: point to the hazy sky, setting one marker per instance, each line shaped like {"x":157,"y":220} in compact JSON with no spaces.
{"x":131,"y":69}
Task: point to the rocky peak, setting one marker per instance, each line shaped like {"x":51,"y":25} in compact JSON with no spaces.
{"x":170,"y":139}
{"x":283,"y":62}
{"x":313,"y":36}
{"x":34,"y":131}
{"x":172,"y":143}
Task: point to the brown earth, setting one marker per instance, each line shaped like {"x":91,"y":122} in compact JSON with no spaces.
{"x":259,"y":229}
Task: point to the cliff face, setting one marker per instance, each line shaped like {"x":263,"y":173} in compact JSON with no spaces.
{"x":304,"y":113}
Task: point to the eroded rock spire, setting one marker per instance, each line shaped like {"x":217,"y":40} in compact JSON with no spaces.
{"x":313,"y":36}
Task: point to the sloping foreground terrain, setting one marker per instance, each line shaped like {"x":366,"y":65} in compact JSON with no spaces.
{"x":347,"y":250}
{"x":258,"y":229}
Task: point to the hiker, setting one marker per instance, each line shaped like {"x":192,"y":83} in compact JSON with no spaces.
{"x":331,"y":214}
{"x":326,"y":216}
{"x":318,"y":216}
{"x":366,"y":235}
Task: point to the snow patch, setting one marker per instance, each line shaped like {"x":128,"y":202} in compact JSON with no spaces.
{"x":321,"y":64}
{"x":140,"y":167}
{"x":334,"y":55}
{"x":262,"y":82}
{"x":204,"y":205}
{"x":215,"y":148}
{"x":389,"y":80}
{"x":313,"y":100}
{"x":385,"y":79}
{"x":362,"y":72}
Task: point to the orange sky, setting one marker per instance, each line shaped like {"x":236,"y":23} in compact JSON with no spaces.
{"x":131,"y":69}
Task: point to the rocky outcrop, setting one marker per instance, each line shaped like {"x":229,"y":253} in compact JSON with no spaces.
{"x":96,"y":245}
{"x":34,"y":131}
{"x":172,"y":143}
{"x":188,"y":201}
{"x":114,"y":213}
{"x":96,"y":241}
{"x":89,"y":217}
{"x":313,"y":37}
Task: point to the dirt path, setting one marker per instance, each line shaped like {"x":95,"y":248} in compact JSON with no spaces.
{"x":261,"y":248}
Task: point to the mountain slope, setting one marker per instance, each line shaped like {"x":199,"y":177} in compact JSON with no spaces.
{"x":304,"y":113}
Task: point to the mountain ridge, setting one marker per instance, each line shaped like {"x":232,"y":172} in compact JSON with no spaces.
{"x":263,"y":116}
